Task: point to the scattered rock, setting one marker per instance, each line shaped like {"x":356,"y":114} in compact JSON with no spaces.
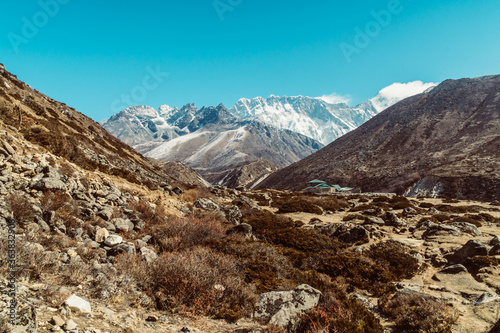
{"x":242,"y":229}
{"x":76,"y":303}
{"x":207,"y":204}
{"x":69,"y":325}
{"x":392,"y":219}
{"x":148,"y":254}
{"x":495,"y":250}
{"x":113,"y":240}
{"x":45,"y":184}
{"x":454,"y":269}
{"x":354,"y":235}
{"x":58,"y":321}
{"x":105,"y":213}
{"x":470,"y":249}
{"x":374,"y":220}
{"x":495,"y":241}
{"x":152,"y":318}
{"x":282,"y":308}
{"x":232,"y":214}
{"x":468,"y":228}
{"x":101,"y":235}
{"x":486,"y":298}
{"x":123,"y":225}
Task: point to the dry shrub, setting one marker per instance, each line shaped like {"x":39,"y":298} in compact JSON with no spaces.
{"x":329,"y":203}
{"x":31,"y":263}
{"x":55,"y":295}
{"x":53,"y":200}
{"x":178,"y":233}
{"x":20,"y":206}
{"x":194,"y":194}
{"x":371,"y":270}
{"x":151,"y":215}
{"x":263,"y":264}
{"x":54,"y":242}
{"x":337,"y":313}
{"x":75,"y":272}
{"x":201,"y":281}
{"x":414,"y":313}
{"x":468,"y":218}
{"x":297,"y":204}
{"x":441,"y":217}
{"x":458,"y":209}
{"x":4,"y":328}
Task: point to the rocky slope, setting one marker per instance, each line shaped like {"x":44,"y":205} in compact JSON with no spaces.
{"x":247,"y":176}
{"x":184,"y":174}
{"x":67,"y":133}
{"x":444,"y":142}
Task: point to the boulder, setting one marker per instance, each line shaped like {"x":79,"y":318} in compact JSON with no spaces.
{"x":207,"y":204}
{"x":232,"y":214}
{"x":495,"y":241}
{"x":242,"y":229}
{"x":282,"y":308}
{"x":49,"y":184}
{"x":243,"y":201}
{"x":354,"y":235}
{"x":76,"y":303}
{"x":113,"y":240}
{"x":374,"y":220}
{"x":468,"y":228}
{"x":391,"y":219}
{"x":441,"y":230}
{"x":495,"y":250}
{"x":105,"y":213}
{"x":148,"y":254}
{"x":470,"y":249}
{"x":101,"y":235}
{"x":122,"y":224}
{"x":454,"y":269}
{"x":127,"y":248}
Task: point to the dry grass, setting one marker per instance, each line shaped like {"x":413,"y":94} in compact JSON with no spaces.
{"x":414,"y":313}
{"x":21,"y":207}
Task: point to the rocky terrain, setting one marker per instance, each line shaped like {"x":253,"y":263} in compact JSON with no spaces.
{"x":248,"y":175}
{"x":87,"y":250}
{"x":444,"y":142}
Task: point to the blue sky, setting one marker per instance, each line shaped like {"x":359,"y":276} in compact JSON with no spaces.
{"x":99,"y":55}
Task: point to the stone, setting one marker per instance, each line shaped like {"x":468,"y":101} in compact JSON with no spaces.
{"x":232,"y":214}
{"x":486,"y":298}
{"x":454,"y":269}
{"x":354,"y":235}
{"x":148,"y":254}
{"x":410,"y":242}
{"x":58,"y":321}
{"x":113,"y":240}
{"x":392,"y":219}
{"x":495,"y":250}
{"x":101,"y":235}
{"x":495,"y":241}
{"x":244,"y":201}
{"x":374,"y":220}
{"x":122,"y":224}
{"x":70,"y":325}
{"x":49,"y":184}
{"x":152,"y":318}
{"x":470,"y":249}
{"x":8,"y":148}
{"x":441,"y":230}
{"x":409,"y":211}
{"x":461,"y":283}
{"x":177,"y":190}
{"x":282,"y":308}
{"x":468,"y":228}
{"x":105,"y":213}
{"x":242,"y":229}
{"x":128,"y":248}
{"x":76,"y":303}
{"x":207,"y":204}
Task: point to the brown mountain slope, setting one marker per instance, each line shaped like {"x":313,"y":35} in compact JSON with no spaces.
{"x":69,"y":134}
{"x":448,"y":139}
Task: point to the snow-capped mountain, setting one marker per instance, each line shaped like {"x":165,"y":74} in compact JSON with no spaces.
{"x":317,"y":117}
{"x":211,"y":140}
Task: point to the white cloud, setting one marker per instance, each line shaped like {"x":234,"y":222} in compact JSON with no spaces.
{"x":398,"y":91}
{"x":335,"y":98}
